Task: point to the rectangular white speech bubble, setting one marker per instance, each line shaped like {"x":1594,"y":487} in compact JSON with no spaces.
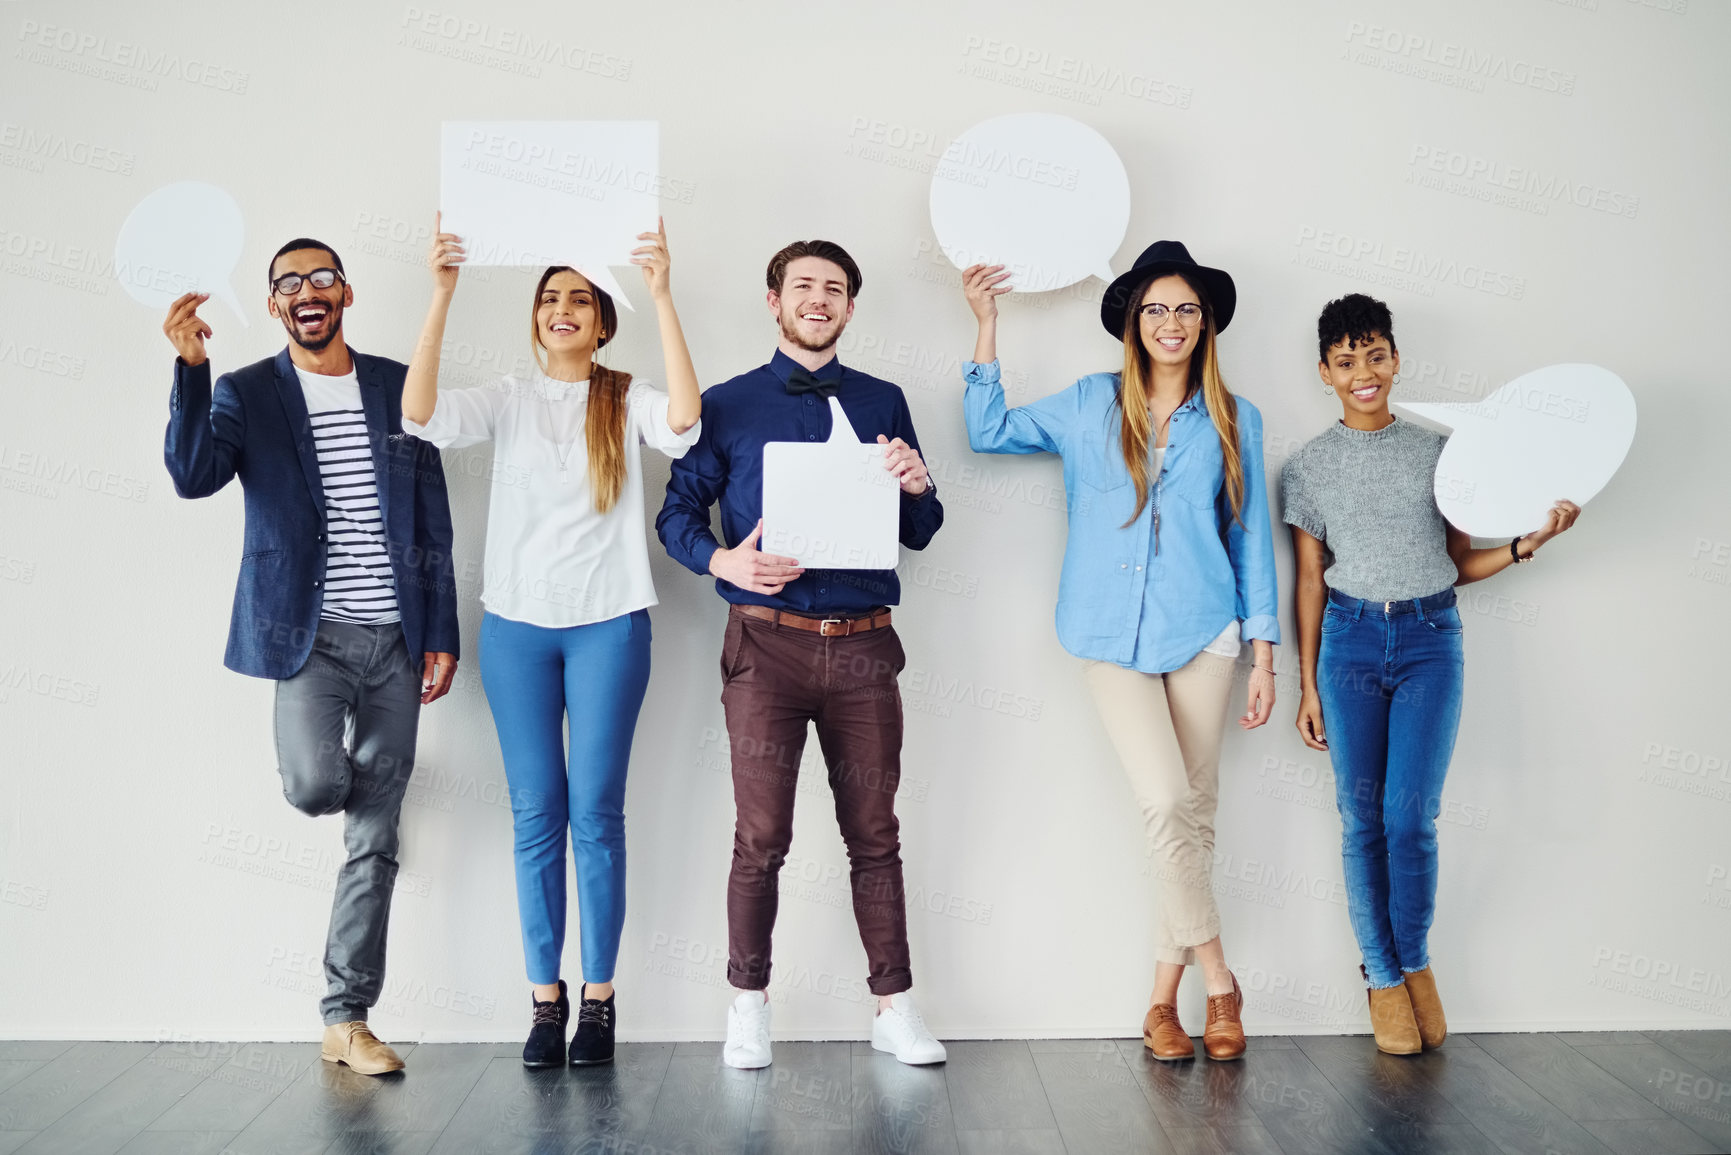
{"x":551,"y":192}
{"x":832,"y":505}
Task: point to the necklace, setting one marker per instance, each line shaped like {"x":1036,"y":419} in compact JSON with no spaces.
{"x":561,"y":450}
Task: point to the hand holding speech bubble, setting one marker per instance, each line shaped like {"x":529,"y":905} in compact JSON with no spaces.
{"x":551,"y":192}
{"x":183,"y":238}
{"x":1043,"y":195}
{"x":1556,"y":433}
{"x":831,"y":505}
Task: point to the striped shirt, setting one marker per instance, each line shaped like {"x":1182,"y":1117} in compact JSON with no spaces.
{"x":359,"y":586}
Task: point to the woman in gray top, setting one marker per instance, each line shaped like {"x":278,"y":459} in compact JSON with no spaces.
{"x":1379,"y":645}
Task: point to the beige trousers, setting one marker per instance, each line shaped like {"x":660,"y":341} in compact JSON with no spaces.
{"x":1167,"y":730}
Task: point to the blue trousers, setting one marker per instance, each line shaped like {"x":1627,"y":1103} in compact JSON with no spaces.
{"x":1389,"y":675}
{"x":536,"y":678}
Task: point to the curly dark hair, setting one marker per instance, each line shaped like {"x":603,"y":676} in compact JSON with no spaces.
{"x":1355,"y":319}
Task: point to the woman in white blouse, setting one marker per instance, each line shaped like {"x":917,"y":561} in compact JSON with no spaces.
{"x":567,"y":591}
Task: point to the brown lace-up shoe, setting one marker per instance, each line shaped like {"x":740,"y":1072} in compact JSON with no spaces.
{"x":1162,"y":1035}
{"x":1427,"y":1010}
{"x":1223,"y":1036}
{"x":355,"y":1046}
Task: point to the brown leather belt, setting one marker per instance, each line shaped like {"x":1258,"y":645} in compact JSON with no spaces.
{"x":828,"y":627}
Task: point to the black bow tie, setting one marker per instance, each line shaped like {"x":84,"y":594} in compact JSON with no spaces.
{"x":802,"y":380}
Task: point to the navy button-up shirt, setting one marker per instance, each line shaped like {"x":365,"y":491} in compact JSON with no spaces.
{"x":726,"y":465}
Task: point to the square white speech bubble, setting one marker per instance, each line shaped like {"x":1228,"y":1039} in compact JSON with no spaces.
{"x":831,"y":505}
{"x":551,"y":192}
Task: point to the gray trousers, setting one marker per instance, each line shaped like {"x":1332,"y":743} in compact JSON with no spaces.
{"x":345,"y":741}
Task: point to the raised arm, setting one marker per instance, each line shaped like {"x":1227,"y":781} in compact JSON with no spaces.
{"x":1473,"y":565}
{"x":993,"y":427}
{"x":421,"y":386}
{"x":683,"y":404}
{"x":201,"y":447}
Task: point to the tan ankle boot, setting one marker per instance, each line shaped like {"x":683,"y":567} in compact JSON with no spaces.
{"x":1223,"y":1036}
{"x":1392,"y":1022}
{"x":1162,"y":1035}
{"x":355,"y":1046}
{"x":1427,"y":1009}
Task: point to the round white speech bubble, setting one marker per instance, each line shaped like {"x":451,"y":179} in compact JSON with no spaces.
{"x":1044,"y":195}
{"x":1557,"y":432}
{"x":185,"y":237}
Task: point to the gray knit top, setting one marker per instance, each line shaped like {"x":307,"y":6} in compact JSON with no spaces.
{"x":1369,"y":497}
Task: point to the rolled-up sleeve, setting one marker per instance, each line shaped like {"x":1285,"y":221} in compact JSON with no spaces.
{"x":993,"y":427}
{"x":1250,"y":538}
{"x":460,"y":417}
{"x":649,"y":414}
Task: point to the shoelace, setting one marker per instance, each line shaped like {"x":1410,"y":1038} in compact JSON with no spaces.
{"x":756,"y":1023}
{"x":592,"y":1011}
{"x":911,"y":1016}
{"x":547,"y":1012}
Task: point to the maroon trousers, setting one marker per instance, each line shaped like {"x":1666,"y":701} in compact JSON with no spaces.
{"x":775,"y":680}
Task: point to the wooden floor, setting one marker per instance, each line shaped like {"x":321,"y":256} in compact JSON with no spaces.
{"x":1658,"y":1092}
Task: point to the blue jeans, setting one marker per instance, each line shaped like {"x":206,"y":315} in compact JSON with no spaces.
{"x":534,"y":677}
{"x":1389,"y":675}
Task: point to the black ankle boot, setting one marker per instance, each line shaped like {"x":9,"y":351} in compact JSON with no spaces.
{"x":593,"y":1043}
{"x":546,"y":1045}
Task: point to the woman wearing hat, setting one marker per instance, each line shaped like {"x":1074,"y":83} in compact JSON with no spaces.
{"x":1168,"y":566}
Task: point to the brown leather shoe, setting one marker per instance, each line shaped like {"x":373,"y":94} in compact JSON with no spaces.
{"x":1392,"y":1022}
{"x":1162,"y":1035}
{"x":1223,"y":1036}
{"x":1433,"y":1028}
{"x":356,"y":1047}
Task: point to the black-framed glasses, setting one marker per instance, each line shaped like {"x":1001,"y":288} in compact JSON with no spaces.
{"x":289,"y":284}
{"x":1188,"y":313}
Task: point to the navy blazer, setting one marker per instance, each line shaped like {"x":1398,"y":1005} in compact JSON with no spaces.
{"x":255,"y":425}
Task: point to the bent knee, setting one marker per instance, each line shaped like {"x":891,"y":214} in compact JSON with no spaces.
{"x":315,"y":797}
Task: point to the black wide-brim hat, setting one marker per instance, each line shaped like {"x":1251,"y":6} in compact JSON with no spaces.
{"x":1157,"y":260}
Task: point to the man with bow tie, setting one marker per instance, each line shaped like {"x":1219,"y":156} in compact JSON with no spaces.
{"x":806,"y":646}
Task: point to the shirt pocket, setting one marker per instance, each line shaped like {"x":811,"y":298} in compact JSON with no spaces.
{"x":1099,"y":464}
{"x":1195,"y":471}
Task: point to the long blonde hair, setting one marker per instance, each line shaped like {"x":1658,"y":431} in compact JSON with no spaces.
{"x":604,"y":419}
{"x":1136,"y":427}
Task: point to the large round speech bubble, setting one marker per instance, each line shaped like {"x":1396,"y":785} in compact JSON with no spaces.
{"x":184,"y":237}
{"x":1557,"y":432}
{"x":1042,"y":194}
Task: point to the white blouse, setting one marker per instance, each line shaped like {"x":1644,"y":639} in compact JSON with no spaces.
{"x":552,"y":560}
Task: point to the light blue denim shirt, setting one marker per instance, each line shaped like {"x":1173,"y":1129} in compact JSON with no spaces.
{"x":1176,"y":590}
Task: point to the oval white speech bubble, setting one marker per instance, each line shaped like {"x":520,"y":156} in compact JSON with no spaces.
{"x":185,"y":237}
{"x":1044,"y":195}
{"x":1557,"y":432}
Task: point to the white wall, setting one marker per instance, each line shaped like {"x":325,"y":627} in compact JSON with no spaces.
{"x":147,"y":853}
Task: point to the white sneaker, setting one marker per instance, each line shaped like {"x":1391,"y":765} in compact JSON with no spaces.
{"x":902,"y":1033}
{"x":747,"y":1032}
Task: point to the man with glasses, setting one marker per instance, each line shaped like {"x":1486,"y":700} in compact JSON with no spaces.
{"x":345,"y":576}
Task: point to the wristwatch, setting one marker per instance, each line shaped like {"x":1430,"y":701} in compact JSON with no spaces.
{"x":1516,"y":554}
